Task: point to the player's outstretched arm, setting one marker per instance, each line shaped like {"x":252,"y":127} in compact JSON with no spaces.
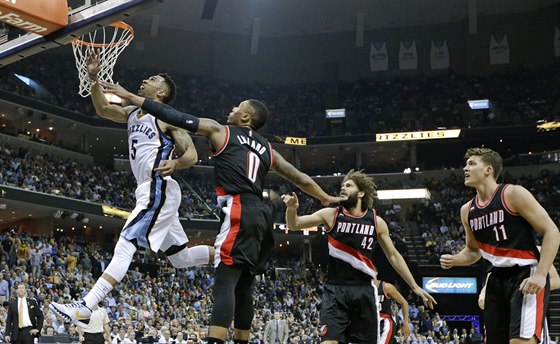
{"x":324,"y":216}
{"x":214,"y":131}
{"x":302,"y":180}
{"x":471,"y":253}
{"x":103,"y":108}
{"x":521,"y":201}
{"x":398,"y":263}
{"x":393,"y":293}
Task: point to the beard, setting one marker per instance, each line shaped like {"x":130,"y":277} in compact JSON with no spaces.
{"x":351,"y":202}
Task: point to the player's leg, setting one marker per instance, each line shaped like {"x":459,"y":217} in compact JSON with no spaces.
{"x":334,"y":319}
{"x":364,"y":326}
{"x":79,"y":312}
{"x":244,"y":311}
{"x":225,"y":283}
{"x":179,"y":254}
{"x":149,"y":216}
{"x":496,"y":310}
{"x":527,"y":317}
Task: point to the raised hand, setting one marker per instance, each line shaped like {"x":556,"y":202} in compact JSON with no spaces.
{"x":116,"y":89}
{"x":93,"y":65}
{"x":291,"y":201}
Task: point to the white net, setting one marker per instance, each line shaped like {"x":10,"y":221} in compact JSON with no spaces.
{"x":108,"y":42}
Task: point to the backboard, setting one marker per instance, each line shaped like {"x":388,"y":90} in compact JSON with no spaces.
{"x":83,"y":17}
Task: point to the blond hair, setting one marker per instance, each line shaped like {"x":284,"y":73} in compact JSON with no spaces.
{"x":488,"y":156}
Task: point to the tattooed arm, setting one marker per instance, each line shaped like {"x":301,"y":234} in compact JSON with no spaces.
{"x":301,"y":180}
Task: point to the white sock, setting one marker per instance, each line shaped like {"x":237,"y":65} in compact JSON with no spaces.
{"x":101,"y":288}
{"x":122,"y":257}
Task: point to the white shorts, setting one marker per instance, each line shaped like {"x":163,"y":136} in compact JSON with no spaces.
{"x":154,"y":222}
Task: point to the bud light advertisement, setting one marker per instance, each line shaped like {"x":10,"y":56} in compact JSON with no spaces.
{"x":449,"y":285}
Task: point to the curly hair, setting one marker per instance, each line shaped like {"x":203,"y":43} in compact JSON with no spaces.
{"x":488,"y":156}
{"x":365,"y":184}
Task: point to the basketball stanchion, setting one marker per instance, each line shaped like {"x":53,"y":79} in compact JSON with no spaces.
{"x":108,"y":42}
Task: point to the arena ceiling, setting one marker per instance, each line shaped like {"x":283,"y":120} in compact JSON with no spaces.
{"x":300,"y":17}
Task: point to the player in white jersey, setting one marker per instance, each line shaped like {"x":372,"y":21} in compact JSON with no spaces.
{"x":154,"y":222}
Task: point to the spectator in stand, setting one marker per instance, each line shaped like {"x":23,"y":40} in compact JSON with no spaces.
{"x":4,"y":287}
{"x":120,"y":338}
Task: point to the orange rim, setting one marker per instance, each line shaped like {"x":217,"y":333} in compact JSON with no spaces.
{"x":120,"y":25}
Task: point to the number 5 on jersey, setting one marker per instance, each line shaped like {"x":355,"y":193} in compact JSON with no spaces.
{"x":133,"y":149}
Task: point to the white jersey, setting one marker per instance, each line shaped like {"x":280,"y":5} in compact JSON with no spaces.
{"x":147,"y":145}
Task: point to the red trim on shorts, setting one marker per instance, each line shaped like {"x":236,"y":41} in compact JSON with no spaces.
{"x":220,"y":191}
{"x":223,"y":144}
{"x":355,"y":253}
{"x":234,"y":224}
{"x":504,"y":202}
{"x":506,"y":252}
{"x":391,"y":324}
{"x":539,"y":315}
{"x":488,"y":202}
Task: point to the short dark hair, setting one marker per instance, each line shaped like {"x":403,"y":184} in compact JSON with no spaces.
{"x":489,"y":157}
{"x":172,"y":88}
{"x":259,"y":115}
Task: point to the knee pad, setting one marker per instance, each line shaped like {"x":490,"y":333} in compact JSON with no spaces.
{"x":122,"y":257}
{"x":187,"y":257}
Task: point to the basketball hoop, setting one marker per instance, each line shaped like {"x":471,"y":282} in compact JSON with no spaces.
{"x":108,"y":42}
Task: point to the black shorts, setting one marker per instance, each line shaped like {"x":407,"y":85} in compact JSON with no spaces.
{"x":245,"y":237}
{"x":508,"y":313}
{"x":348,"y":313}
{"x":386,"y":329}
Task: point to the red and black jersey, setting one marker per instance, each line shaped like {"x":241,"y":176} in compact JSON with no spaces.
{"x":504,"y":237}
{"x":351,"y":243}
{"x":383,"y":300}
{"x":242,"y":163}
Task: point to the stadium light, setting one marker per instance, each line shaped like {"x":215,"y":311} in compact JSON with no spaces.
{"x":335,"y":113}
{"x":479,"y":104}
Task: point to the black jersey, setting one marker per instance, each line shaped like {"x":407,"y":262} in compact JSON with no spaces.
{"x":504,"y":237}
{"x":242,"y":163}
{"x":383,"y":300}
{"x":351,"y":243}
